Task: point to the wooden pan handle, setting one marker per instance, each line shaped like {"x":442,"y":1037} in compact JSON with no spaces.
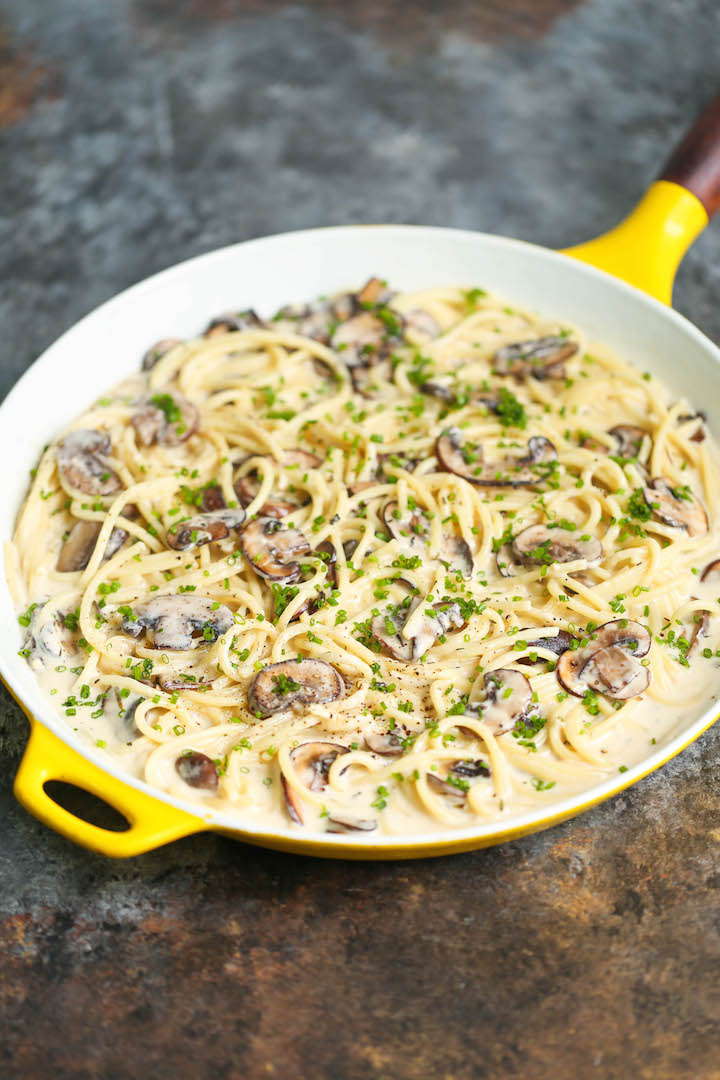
{"x":695,"y":162}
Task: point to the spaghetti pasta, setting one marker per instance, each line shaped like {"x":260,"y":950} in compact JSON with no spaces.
{"x":381,"y":560}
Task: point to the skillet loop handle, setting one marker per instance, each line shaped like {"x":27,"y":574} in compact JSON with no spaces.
{"x":695,"y":162}
{"x":151,"y":823}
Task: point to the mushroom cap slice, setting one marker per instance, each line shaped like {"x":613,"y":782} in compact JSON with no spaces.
{"x":365,"y":339}
{"x":628,"y":439}
{"x":82,"y":460}
{"x":294,"y":682}
{"x":442,"y":387}
{"x":454,"y":795}
{"x":677,"y":506}
{"x":609,"y":663}
{"x":175,"y":620}
{"x":468,"y":767}
{"x":420,"y":326}
{"x":271,"y":549}
{"x":558,"y":644}
{"x":456,"y":553}
{"x":508,"y":698}
{"x":77,"y":550}
{"x":197,"y":770}
{"x":311,"y":761}
{"x":542,"y":358}
{"x":413,"y":531}
{"x":348,"y":825}
{"x":711,"y":573}
{"x":367,"y":381}
{"x":204,"y":529}
{"x":233,"y":321}
{"x":467,"y":460}
{"x":375,"y":291}
{"x":277,"y":506}
{"x":538,"y":545}
{"x":165,"y":419}
{"x":157,"y":351}
{"x":387,"y":744}
{"x":428,"y":630}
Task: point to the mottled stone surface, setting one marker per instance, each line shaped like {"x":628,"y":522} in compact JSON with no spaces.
{"x":140,"y":132}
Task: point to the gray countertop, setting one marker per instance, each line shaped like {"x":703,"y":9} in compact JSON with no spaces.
{"x":137,"y":133}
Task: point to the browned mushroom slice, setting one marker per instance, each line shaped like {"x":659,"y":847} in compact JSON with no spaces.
{"x":197,"y":770}
{"x":466,"y":460}
{"x":179,"y":622}
{"x":701,"y":628}
{"x":470,"y":768}
{"x":368,"y":381}
{"x":375,"y":291}
{"x":429,"y":628}
{"x":171,"y":684}
{"x":157,"y":351}
{"x":508,"y":698}
{"x":412,"y":531}
{"x":544,"y":358}
{"x":362,"y":340}
{"x":456,"y":553}
{"x":277,"y":506}
{"x":628,"y":440}
{"x":212,"y":499}
{"x":166,"y":419}
{"x":82,"y":460}
{"x":47,"y":641}
{"x":204,"y":529}
{"x":609,"y":664}
{"x":421,"y":325}
{"x":311,"y":761}
{"x":455,"y":795}
{"x":387,"y":744}
{"x":272,"y":549}
{"x":700,"y":432}
{"x":77,"y":550}
{"x":711,"y":572}
{"x":676,"y":506}
{"x":294,"y":682}
{"x":560,"y":643}
{"x":442,"y":387}
{"x":538,"y":545}
{"x":349,"y":825}
{"x":233,"y":321}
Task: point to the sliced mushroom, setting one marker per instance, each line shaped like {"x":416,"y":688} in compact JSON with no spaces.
{"x":204,"y":529}
{"x":454,"y":795}
{"x":508,"y":698}
{"x":677,"y":506}
{"x":368,"y":381}
{"x":47,"y":642}
{"x":470,"y":768}
{"x":456,"y":553}
{"x":349,"y":825}
{"x":362,"y":340}
{"x":387,"y":744}
{"x":82,"y":460}
{"x":628,"y":439}
{"x":315,"y":320}
{"x":375,"y":291}
{"x":412,"y":531}
{"x":212,"y":499}
{"x":609,"y":664}
{"x":712,"y":572}
{"x":701,"y":628}
{"x":232,"y":321}
{"x":179,"y":622}
{"x":421,"y":325}
{"x":77,"y":550}
{"x":442,"y":387}
{"x":544,"y":358}
{"x":272,"y":549}
{"x":157,"y":351}
{"x":700,"y":433}
{"x":294,"y":682}
{"x":126,"y":709}
{"x":197,"y":770}
{"x":428,"y":629}
{"x":560,"y":643}
{"x":311,"y":761}
{"x":539,"y":545}
{"x":165,"y":419}
{"x":173,"y":684}
{"x":466,"y":460}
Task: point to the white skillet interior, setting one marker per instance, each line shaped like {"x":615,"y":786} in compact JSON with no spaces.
{"x":107,"y":345}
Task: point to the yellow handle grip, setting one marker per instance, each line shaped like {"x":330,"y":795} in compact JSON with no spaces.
{"x":646,"y":248}
{"x":152,"y":823}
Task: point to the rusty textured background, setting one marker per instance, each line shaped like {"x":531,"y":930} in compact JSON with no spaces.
{"x":134,"y":133}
